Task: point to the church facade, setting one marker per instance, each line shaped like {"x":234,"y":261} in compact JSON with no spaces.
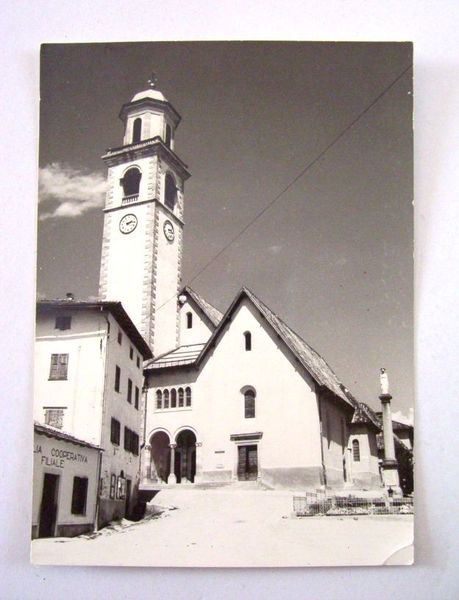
{"x":228,"y":397}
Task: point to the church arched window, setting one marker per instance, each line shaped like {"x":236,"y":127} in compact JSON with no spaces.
{"x":173,"y":398}
{"x":171,"y":192}
{"x":159,"y":399}
{"x":189,"y":320}
{"x":188,"y":396}
{"x":356,"y":450}
{"x":249,"y":403}
{"x":168,"y":141}
{"x":137,"y":130}
{"x":180,"y":397}
{"x":248,"y":341}
{"x":131,"y":181}
{"x":166,"y":399}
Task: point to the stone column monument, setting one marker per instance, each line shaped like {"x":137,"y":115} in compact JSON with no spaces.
{"x":389,"y":464}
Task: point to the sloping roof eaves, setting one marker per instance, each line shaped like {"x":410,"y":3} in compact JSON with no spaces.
{"x":364,"y":414}
{"x":212,"y":313}
{"x":306,"y":356}
{"x":62,"y":435}
{"x":117,"y":310}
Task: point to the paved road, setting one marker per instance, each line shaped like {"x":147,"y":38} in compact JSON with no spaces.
{"x":234,"y":528}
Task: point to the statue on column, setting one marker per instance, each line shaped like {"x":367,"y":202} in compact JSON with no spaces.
{"x":384,"y":381}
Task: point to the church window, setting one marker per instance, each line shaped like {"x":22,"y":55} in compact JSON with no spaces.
{"x":59,"y":366}
{"x":166,"y":398}
{"x":356,"y":450}
{"x":63,"y":322}
{"x":189,"y":320}
{"x":171,"y":192}
{"x":54,"y":417}
{"x":188,"y":396}
{"x":249,"y":404}
{"x":180,"y":397}
{"x":173,"y":398}
{"x":159,"y":399}
{"x":248,"y":341}
{"x":168,"y":135}
{"x":131,"y":181}
{"x":137,"y":130}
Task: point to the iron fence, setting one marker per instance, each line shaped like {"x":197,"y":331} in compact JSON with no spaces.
{"x":315,"y":504}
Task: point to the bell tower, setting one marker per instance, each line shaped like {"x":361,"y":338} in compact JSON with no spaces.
{"x":143,"y":219}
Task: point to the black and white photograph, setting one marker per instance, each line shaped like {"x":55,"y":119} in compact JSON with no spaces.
{"x":224,"y":344}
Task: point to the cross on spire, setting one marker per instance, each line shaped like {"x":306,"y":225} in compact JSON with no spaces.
{"x":153,"y":80}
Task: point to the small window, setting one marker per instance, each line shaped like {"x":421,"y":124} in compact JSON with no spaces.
{"x":166,"y":398}
{"x":127,"y":439}
{"x":59,"y":366}
{"x":79,"y":495}
{"x":131,"y":353}
{"x":134,"y":444}
{"x":189,"y":320}
{"x":356,"y":450}
{"x":248,"y":341}
{"x":159,"y":400}
{"x":138,"y":362}
{"x":168,"y":135}
{"x":188,"y":396}
{"x":249,"y":404}
{"x":63,"y":322}
{"x":120,"y":338}
{"x":117,"y":378}
{"x":131,"y":182}
{"x":129,"y":391}
{"x":136,"y":398}
{"x":180,"y":397}
{"x":171,"y":192}
{"x":112,"y":486}
{"x":173,"y":398}
{"x":115,"y":432}
{"x":54,"y":417}
{"x":137,"y":130}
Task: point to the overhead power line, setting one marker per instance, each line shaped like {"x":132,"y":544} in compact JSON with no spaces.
{"x":306,"y":168}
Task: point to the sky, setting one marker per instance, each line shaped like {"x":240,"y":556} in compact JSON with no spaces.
{"x":332,"y":257}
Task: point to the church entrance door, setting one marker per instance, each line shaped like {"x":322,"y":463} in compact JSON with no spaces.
{"x":185,"y":457}
{"x":247,"y":467}
{"x":160,"y":456}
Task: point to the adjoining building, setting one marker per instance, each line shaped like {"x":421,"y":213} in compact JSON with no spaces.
{"x":88,"y":384}
{"x":65,"y":481}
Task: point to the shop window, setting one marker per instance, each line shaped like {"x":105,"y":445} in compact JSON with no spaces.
{"x":79,"y":495}
{"x":54,"y":417}
{"x":356,"y":450}
{"x":59,"y":366}
{"x":115,"y":432}
{"x":63,"y":322}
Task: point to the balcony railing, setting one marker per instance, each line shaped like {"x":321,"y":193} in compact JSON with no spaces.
{"x":130,"y":199}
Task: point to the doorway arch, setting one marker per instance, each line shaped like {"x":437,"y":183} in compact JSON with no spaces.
{"x":160,"y":455}
{"x":185,"y":456}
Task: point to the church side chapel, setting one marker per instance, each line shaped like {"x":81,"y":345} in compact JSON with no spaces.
{"x":234,"y":397}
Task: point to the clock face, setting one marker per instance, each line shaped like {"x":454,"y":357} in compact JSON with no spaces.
{"x":169,"y":232}
{"x":128,"y":223}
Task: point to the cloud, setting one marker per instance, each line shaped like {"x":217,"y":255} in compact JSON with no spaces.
{"x":68,"y":192}
{"x":401,"y":418}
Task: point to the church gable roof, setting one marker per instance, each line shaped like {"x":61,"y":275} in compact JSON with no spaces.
{"x":212,"y":313}
{"x":364,"y":414}
{"x":314,"y":364}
